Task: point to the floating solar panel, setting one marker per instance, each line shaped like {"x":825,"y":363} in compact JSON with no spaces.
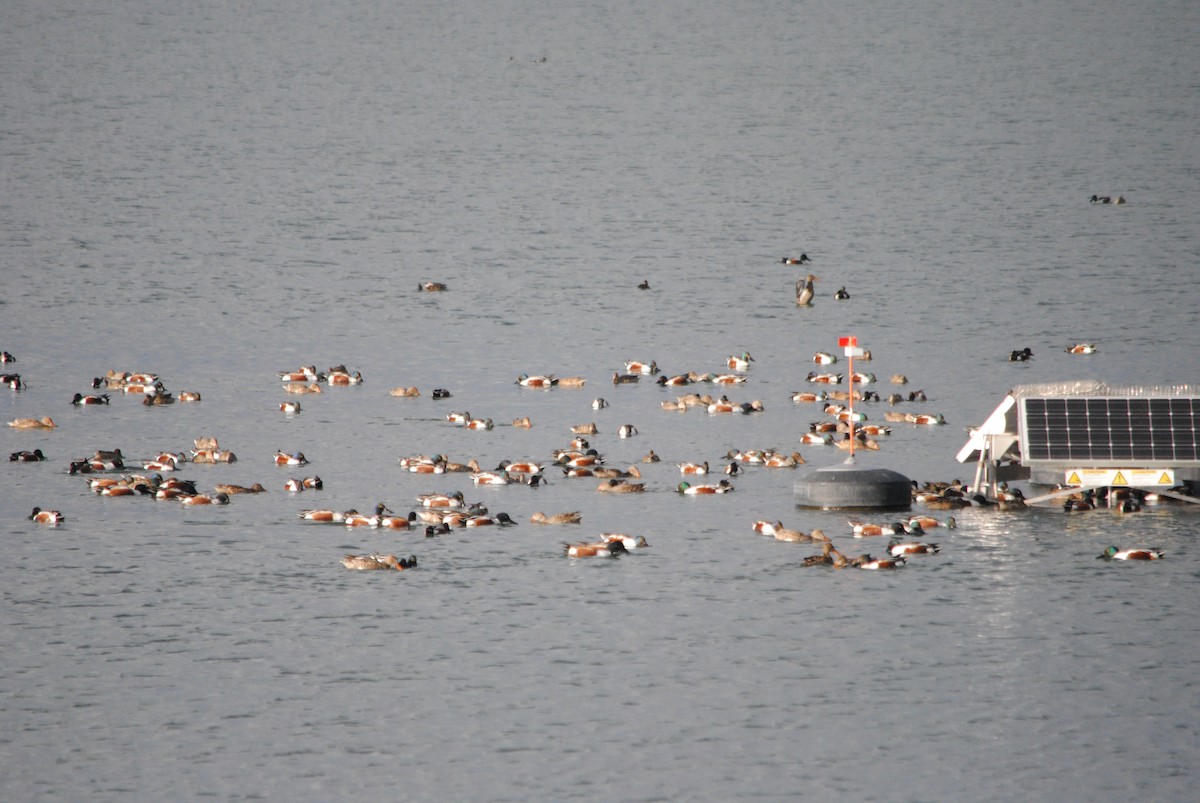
{"x":1110,"y":430}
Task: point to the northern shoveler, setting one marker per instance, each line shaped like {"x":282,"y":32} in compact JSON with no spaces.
{"x":620,"y":486}
{"x":500,"y":519}
{"x":296,"y":459}
{"x":824,"y":379}
{"x":841,"y":294}
{"x":631,"y":542}
{"x":585,"y":429}
{"x":800,"y":260}
{"x":824,"y":358}
{"x":46,"y":516}
{"x":674,"y":381}
{"x":491,"y":478}
{"x":805,"y":290}
{"x":596,"y":550}
{"x":624,"y":379}
{"x":929,"y":522}
{"x":1020,"y":355}
{"x":816,"y":438}
{"x":804,"y":396}
{"x":519,"y":467}
{"x":573,"y":517}
{"x":431,"y":287}
{"x":599,"y":404}
{"x":454,"y":499}
{"x":205,"y":499}
{"x":778,"y":460}
{"x":398,"y":522}
{"x":693,"y":468}
{"x":299,"y":388}
{"x":1082,"y":348}
{"x":81,"y":399}
{"x":33,"y":423}
{"x":1137,"y":553}
{"x":344,"y":378}
{"x":360,"y":520}
{"x":626,"y":431}
{"x":479,"y":423}
{"x":875,"y":564}
{"x":592,"y":458}
{"x":740,"y":363}
{"x":27,"y":457}
{"x":212,"y":456}
{"x":289,"y":407}
{"x":747,"y":456}
{"x":404,"y":392}
{"x":12,"y":381}
{"x":305,"y":373}
{"x":639,"y":367}
{"x":864,"y":529}
{"x":227,"y":488}
{"x":326,"y":515}
{"x":782,"y":533}
{"x":376,"y":562}
{"x":897,"y":549}
{"x":724,"y":486}
{"x":537,"y":381}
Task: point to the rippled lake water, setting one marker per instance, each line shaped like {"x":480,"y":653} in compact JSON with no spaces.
{"x":218,"y":192}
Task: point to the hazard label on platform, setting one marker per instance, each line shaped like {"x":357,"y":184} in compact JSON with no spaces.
{"x":1132,"y":477}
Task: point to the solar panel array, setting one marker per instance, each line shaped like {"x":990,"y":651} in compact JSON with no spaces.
{"x":1110,"y":430}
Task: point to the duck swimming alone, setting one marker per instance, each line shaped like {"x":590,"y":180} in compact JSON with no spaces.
{"x":805,"y":290}
{"x":33,"y":423}
{"x":46,"y":516}
{"x":1140,"y":553}
{"x":1022,"y":355}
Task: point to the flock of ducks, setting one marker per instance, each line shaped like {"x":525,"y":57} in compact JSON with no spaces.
{"x":443,"y":513}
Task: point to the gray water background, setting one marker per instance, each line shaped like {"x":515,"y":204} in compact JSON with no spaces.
{"x":219,"y":191}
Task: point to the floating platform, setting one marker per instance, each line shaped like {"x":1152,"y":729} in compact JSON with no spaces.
{"x":852,"y":486}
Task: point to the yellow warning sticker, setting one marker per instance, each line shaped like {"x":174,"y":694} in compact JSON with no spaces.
{"x":1131,"y":477}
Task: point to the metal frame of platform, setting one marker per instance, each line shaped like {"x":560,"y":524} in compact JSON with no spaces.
{"x":1000,"y":446}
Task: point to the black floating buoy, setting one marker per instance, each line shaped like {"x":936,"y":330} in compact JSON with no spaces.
{"x":851,"y":486}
